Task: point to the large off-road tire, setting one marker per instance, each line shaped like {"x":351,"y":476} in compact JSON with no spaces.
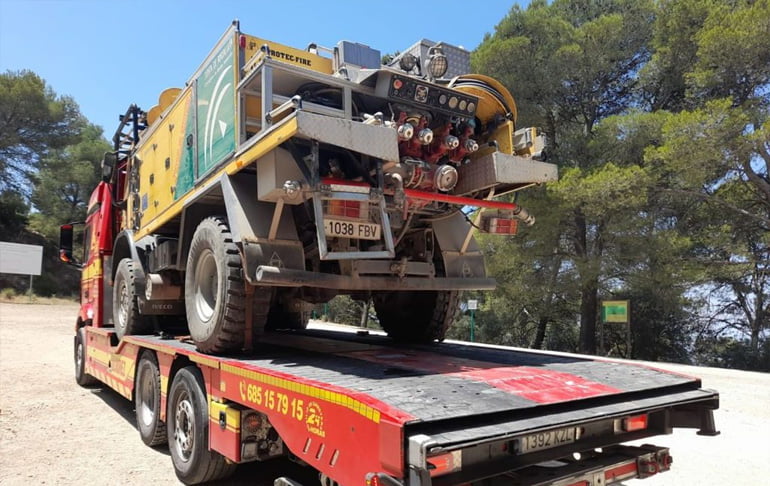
{"x":81,"y":377}
{"x":147,"y":400}
{"x":416,"y":317}
{"x":128,"y":321}
{"x":188,"y":431}
{"x":215,"y":296}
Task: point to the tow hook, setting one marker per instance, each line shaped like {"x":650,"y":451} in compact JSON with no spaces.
{"x":651,"y":464}
{"x":399,"y":268}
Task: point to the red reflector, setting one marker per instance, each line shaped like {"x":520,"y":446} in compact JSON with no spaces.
{"x":372,"y":480}
{"x":638,"y":422}
{"x":341,"y":207}
{"x":242,"y":41}
{"x":252,"y":423}
{"x":500,"y":226}
{"x":624,"y":471}
{"x":445,"y":463}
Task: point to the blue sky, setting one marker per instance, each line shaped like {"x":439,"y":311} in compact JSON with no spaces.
{"x":108,"y":54}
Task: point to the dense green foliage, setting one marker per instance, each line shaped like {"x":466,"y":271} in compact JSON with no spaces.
{"x":657,"y":114}
{"x":65,"y":181}
{"x":49,"y":164}
{"x":33,"y":121}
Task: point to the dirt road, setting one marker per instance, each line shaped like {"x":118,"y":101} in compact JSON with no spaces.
{"x":54,"y":432}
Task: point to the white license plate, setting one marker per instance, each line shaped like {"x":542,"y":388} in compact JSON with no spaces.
{"x":351,"y":229}
{"x":546,"y":440}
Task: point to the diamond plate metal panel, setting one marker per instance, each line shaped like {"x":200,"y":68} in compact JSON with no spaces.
{"x":498,"y":168}
{"x":375,"y":141}
{"x":459,"y":58}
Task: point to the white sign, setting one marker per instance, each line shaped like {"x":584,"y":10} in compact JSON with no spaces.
{"x":21,"y":259}
{"x":473,"y":304}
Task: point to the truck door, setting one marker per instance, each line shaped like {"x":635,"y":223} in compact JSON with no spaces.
{"x":97,"y":245}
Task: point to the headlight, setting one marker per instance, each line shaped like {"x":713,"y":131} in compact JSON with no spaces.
{"x":407,"y":62}
{"x":437,"y":63}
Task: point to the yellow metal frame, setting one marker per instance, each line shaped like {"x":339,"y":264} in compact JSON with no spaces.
{"x":281,"y":133}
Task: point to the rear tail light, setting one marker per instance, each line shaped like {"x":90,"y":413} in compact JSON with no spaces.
{"x":346,"y":209}
{"x":373,"y":480}
{"x":637,"y":422}
{"x":498,"y":222}
{"x":445,"y":463}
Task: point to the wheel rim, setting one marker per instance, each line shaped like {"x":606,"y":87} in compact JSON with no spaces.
{"x":79,"y":357}
{"x":184,"y":427}
{"x":146,"y":400}
{"x":206,"y":286}
{"x":123,"y":305}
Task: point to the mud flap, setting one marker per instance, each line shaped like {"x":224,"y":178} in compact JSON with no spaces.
{"x":250,"y":224}
{"x":286,"y":254}
{"x":460,"y":262}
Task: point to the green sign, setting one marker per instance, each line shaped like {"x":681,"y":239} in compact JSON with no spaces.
{"x":216,"y":108}
{"x":616,"y":311}
{"x":186,"y":176}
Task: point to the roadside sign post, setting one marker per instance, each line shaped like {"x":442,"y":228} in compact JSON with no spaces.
{"x":21,"y":259}
{"x":473,"y":304}
{"x":616,"y":312}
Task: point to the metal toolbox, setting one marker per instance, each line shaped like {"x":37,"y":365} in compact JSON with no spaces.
{"x":508,"y":172}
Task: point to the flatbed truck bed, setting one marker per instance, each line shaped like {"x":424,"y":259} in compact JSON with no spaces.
{"x":362,"y":409}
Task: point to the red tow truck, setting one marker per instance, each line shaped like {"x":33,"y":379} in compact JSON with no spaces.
{"x":279,"y":178}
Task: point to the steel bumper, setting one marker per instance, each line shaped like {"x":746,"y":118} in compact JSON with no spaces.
{"x":285,"y":277}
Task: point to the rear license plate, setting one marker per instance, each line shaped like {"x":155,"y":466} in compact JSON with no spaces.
{"x":351,"y":229}
{"x":546,"y":440}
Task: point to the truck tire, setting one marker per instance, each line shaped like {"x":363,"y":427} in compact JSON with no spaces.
{"x":147,"y":401}
{"x":128,"y":321}
{"x":81,"y":377}
{"x":188,"y":431}
{"x":417,"y":317}
{"x":215,"y":295}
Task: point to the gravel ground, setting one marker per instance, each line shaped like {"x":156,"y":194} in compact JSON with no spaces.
{"x":55,"y":432}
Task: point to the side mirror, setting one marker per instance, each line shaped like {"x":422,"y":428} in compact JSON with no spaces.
{"x":65,"y":245}
{"x":108,"y":165}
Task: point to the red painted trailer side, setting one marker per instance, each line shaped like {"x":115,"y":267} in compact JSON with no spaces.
{"x":357,"y":407}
